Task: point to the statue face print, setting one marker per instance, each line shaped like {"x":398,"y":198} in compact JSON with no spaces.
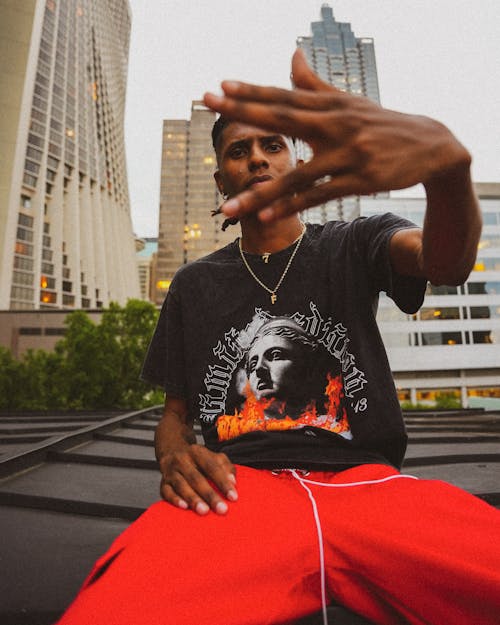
{"x":274,"y":366}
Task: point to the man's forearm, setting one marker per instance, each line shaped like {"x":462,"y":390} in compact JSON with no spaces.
{"x":452,"y":226}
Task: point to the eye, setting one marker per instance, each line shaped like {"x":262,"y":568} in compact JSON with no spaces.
{"x":274,"y":147}
{"x":236,"y":152}
{"x":251,"y":364}
{"x":276,"y":354}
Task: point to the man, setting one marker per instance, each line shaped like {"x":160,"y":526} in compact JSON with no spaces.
{"x":267,"y":525}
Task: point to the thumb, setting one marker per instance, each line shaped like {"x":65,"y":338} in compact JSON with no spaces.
{"x":303,"y":76}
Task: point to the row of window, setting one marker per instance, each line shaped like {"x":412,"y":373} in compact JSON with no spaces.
{"x":469,"y":288}
{"x":441,"y":313}
{"x":424,"y":339}
{"x":431,"y":395}
{"x":27,"y":331}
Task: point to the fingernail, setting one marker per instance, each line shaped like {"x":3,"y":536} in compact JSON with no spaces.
{"x":182,"y":504}
{"x":214,"y":98}
{"x":232,"y":478}
{"x":231,"y":207}
{"x":221,"y":508}
{"x":201,"y":508}
{"x":267,"y":214}
{"x":232,"y":495}
{"x":230,"y":85}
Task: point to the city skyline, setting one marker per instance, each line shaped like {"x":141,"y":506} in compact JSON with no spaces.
{"x":445,"y":66}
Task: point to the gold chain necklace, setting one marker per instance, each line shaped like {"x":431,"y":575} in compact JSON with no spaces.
{"x":272,"y":292}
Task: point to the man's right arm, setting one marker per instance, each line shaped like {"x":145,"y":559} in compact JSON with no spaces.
{"x":191,"y":471}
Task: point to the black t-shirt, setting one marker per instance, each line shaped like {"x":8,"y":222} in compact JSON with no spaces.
{"x":303,"y":382}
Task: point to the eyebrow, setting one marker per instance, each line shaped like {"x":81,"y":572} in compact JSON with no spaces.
{"x":262,"y":139}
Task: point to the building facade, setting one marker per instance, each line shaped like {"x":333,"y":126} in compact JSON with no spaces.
{"x":65,"y":229}
{"x":147,"y":249}
{"x":451,"y":347}
{"x":348,"y":63}
{"x":188,"y":196}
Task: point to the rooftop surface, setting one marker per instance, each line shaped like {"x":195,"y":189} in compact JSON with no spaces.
{"x":69,"y":484}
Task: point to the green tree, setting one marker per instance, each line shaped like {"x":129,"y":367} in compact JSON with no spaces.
{"x":102,"y":362}
{"x":10,"y":380}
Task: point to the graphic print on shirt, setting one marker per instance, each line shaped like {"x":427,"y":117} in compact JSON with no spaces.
{"x":283,"y":373}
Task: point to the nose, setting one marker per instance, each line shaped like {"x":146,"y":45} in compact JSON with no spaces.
{"x":262,"y":368}
{"x":257,"y":159}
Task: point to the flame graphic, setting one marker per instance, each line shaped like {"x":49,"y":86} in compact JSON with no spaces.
{"x":252,"y":416}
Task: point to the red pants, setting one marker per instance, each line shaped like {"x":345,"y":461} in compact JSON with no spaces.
{"x":397,"y":550}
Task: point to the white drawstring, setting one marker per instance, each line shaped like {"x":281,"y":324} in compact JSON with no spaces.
{"x":303,"y":482}
{"x":320,"y":543}
{"x":384,"y":479}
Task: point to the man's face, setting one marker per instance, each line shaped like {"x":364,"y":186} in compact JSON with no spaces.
{"x":273,"y":367}
{"x":249,"y":157}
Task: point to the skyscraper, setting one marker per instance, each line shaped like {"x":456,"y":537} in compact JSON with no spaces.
{"x":65,"y":230}
{"x":188,"y":195}
{"x":347,"y":62}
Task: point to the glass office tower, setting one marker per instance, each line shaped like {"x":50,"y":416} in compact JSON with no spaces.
{"x":347,"y":62}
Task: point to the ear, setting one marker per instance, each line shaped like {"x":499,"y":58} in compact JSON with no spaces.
{"x":218,"y":181}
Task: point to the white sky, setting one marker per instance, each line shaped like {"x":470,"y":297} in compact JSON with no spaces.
{"x":436,"y":57}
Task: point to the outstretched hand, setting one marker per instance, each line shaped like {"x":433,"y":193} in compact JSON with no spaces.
{"x":358,"y":147}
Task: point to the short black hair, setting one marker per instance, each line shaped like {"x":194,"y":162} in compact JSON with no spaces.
{"x":220,"y":123}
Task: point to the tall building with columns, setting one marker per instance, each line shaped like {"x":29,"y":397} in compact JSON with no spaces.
{"x":66,"y":237}
{"x":347,"y":62}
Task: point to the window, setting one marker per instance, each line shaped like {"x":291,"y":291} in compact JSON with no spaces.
{"x":21,"y":278}
{"x":55,"y":331}
{"x":23,"y":248}
{"x":490,"y":219}
{"x":25,"y":220}
{"x":427,"y":314}
{"x":483,"y":336}
{"x":47,"y":283}
{"x":29,"y":180}
{"x":441,"y":290}
{"x":30,"y":331}
{"x":24,"y":235}
{"x":441,"y":338}
{"x":46,"y":297}
{"x":25,"y":201}
{"x":26,"y":264}
{"x":483,"y":288}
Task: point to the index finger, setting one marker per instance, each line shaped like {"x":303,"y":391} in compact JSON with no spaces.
{"x":288,"y":120}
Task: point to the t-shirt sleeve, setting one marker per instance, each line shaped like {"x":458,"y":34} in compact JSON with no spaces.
{"x":376,"y":232}
{"x":164,"y":362}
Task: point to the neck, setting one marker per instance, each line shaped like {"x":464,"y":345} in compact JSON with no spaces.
{"x":258,"y":237}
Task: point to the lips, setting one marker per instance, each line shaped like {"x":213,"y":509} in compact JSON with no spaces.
{"x":258,"y":180}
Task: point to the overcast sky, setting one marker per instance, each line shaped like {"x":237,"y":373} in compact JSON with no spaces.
{"x":436,"y":57}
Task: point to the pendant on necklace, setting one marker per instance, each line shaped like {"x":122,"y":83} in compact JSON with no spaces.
{"x":274,"y":297}
{"x":265,"y":257}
